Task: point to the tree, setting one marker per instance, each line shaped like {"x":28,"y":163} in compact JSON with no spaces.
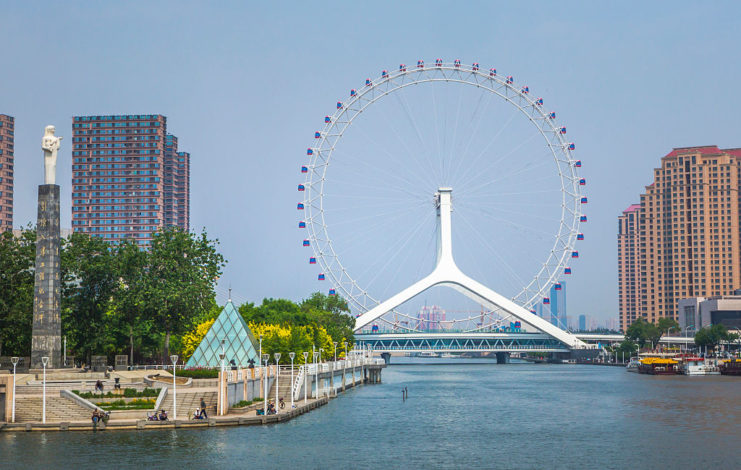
{"x":642,"y":332}
{"x":89,"y":277}
{"x":332,"y":312}
{"x":17,"y":260}
{"x":713,"y":335}
{"x":179,"y":281}
{"x":665,"y":324}
{"x":193,"y":338}
{"x":127,"y":314}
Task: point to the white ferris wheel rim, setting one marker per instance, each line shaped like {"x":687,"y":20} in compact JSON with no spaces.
{"x":455,"y":73}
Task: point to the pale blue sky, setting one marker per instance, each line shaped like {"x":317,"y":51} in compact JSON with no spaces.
{"x":245,"y":84}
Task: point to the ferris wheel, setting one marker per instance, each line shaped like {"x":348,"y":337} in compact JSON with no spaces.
{"x":536,"y":193}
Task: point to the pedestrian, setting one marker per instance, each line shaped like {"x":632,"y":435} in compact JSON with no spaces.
{"x":99,"y":386}
{"x":203,"y":408}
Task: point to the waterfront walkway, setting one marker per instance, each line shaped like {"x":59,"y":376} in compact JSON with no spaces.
{"x":235,"y":418}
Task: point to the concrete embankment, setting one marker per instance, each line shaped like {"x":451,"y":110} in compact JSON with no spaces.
{"x":122,"y":425}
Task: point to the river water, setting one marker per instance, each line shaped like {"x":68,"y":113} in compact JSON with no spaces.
{"x":459,"y":414}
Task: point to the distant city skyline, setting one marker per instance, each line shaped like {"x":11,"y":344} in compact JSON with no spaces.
{"x":246,"y":87}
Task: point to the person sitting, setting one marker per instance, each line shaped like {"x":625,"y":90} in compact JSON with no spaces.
{"x":271,"y":408}
{"x":152,"y":417}
{"x":96,"y":417}
{"x":163,"y":415}
{"x":197,"y":414}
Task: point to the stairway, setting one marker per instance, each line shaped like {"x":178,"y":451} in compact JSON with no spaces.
{"x":284,"y":387}
{"x":28,"y":408}
{"x":190,"y":399}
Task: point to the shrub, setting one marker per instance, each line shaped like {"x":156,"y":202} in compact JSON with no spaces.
{"x":199,"y":373}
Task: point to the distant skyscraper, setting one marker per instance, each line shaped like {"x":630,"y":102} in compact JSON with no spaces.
{"x":688,"y":234}
{"x":430,"y":318}
{"x":128,"y":178}
{"x":582,"y":323}
{"x":7,"y":138}
{"x":558,"y":305}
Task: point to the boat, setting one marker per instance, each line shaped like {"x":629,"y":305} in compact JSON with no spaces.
{"x":731,"y":367}
{"x":428,"y":354}
{"x":447,"y":355}
{"x":658,"y":366}
{"x":632,"y":366}
{"x":693,"y":365}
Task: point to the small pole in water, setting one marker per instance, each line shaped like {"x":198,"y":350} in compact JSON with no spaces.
{"x":406,"y":393}
{"x":403,"y":398}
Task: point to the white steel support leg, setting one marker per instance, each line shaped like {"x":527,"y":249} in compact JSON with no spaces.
{"x":447,"y":273}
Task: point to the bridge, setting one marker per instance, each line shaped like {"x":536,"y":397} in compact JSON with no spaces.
{"x":467,"y":342}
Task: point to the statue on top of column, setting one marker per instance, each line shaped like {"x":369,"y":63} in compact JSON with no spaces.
{"x":50,"y":144}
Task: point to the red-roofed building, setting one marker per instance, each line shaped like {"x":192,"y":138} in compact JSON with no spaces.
{"x":684,"y":234}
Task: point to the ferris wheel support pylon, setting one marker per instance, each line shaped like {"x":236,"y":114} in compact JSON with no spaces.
{"x":447,"y":273}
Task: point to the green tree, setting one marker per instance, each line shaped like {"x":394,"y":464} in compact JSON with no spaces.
{"x":127,"y":317}
{"x":642,"y":332}
{"x":178,"y":285}
{"x":333,"y":313}
{"x":713,"y":335}
{"x":89,"y":277}
{"x":17,"y":260}
{"x":665,"y":324}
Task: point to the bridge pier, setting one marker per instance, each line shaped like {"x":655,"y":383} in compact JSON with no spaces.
{"x":502,"y":357}
{"x":386,"y":357}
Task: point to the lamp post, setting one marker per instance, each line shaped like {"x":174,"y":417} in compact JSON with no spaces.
{"x":316,"y":373}
{"x":292,"y":355}
{"x":277,"y":373}
{"x":321,"y":358}
{"x":306,"y":372}
{"x":335,"y":351}
{"x":222,"y":388}
{"x":344,"y":367}
{"x":265,"y":359}
{"x":44,"y":361}
{"x":174,"y":359}
{"x":14,"y":360}
{"x":260,"y":346}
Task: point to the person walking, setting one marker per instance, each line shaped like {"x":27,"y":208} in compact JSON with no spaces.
{"x":203,"y":409}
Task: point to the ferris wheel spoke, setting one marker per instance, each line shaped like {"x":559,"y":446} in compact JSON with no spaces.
{"x":467,"y":189}
{"x":486,"y":243}
{"x":413,"y":155}
{"x":476,"y":160}
{"x":361,"y":167}
{"x":413,"y":122}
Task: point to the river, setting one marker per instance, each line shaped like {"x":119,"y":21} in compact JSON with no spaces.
{"x":459,"y":414}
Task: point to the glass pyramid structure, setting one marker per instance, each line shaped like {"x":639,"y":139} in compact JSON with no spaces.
{"x":239,"y":343}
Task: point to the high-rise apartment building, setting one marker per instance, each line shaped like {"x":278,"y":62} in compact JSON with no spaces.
{"x":125,"y":177}
{"x":629,"y":267}
{"x":431,"y":318}
{"x":177,"y":184}
{"x":7,"y":133}
{"x":582,"y":323}
{"x":685,"y":237}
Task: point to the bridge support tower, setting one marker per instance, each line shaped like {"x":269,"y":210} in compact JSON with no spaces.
{"x":502,"y":358}
{"x":386,"y":357}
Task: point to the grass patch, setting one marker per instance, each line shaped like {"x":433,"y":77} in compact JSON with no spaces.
{"x":244,"y":403}
{"x":138,"y":404}
{"x":127,"y":392}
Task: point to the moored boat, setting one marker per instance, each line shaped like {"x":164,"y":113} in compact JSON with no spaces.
{"x":658,"y":366}
{"x":692,"y":365}
{"x":633,"y":365}
{"x":731,"y":367}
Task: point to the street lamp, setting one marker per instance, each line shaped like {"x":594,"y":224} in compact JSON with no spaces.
{"x":292,"y":355}
{"x":306,"y":372}
{"x":260,"y":346}
{"x":344,"y":367}
{"x":174,"y":359}
{"x":222,"y":387}
{"x":335,"y":351}
{"x":14,"y":360}
{"x":44,"y":361}
{"x":265,"y":359}
{"x":277,"y":373}
{"x":316,"y":373}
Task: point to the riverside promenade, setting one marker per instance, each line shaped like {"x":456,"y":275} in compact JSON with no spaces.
{"x":225,"y":397}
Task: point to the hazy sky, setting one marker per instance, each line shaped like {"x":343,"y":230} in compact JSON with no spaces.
{"x":245,"y":84}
